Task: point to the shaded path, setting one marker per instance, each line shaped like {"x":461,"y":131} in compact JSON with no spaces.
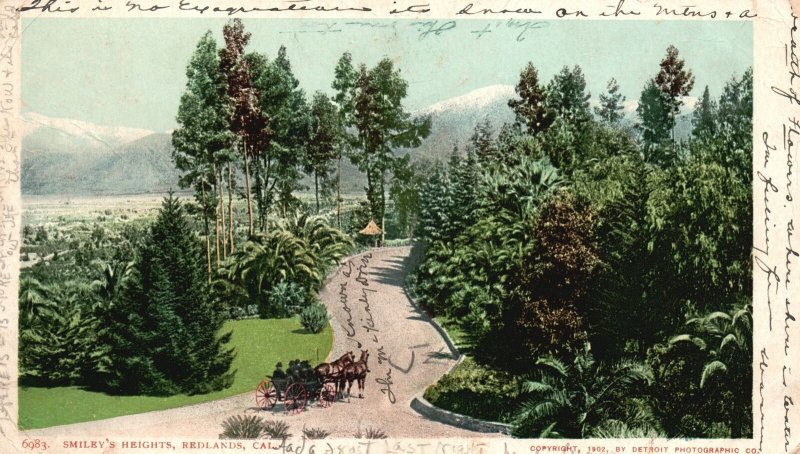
{"x":370,"y":310}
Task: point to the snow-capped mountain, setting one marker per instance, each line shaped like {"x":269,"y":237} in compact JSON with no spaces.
{"x":62,"y":156}
{"x":453,"y":120}
{"x":481,"y":98}
{"x":40,"y":131}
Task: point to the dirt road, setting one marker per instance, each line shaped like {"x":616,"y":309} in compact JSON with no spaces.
{"x":370,"y":311}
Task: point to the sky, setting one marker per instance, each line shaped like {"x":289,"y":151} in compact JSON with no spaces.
{"x":131,"y":72}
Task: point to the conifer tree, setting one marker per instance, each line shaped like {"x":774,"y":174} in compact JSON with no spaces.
{"x":166,"y":339}
{"x":567,"y":97}
{"x":654,"y":120}
{"x":610,"y":109}
{"x":703,"y":118}
{"x":436,"y":200}
{"x":464,"y":172}
{"x":482,"y":143}
{"x":531,"y":109}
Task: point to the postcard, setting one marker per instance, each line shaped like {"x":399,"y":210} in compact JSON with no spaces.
{"x":348,"y":227}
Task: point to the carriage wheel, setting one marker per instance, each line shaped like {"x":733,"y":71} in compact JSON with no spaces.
{"x":295,"y":398}
{"x":327,"y":395}
{"x":266,"y":395}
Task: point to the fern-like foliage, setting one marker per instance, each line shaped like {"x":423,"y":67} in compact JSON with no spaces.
{"x":242,"y":427}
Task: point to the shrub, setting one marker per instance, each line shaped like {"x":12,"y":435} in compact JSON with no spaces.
{"x":237,"y":313}
{"x":276,"y":429}
{"x":315,"y":433}
{"x":246,"y":427}
{"x":314,"y":317}
{"x":284,"y":300}
{"x":475,"y":390}
{"x":371,"y":432}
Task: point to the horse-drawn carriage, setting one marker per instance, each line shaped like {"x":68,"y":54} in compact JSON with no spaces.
{"x":301,"y":384}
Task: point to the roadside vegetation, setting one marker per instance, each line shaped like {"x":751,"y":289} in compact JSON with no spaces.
{"x":605,"y":269}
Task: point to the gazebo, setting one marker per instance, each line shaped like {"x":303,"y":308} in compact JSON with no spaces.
{"x":371,"y":229}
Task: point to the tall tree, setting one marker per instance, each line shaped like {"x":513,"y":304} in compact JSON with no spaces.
{"x":323,"y":143}
{"x":280,"y":156}
{"x":567,"y":97}
{"x":465,"y":177}
{"x":558,"y":275}
{"x":167,"y":339}
{"x":289,"y":113}
{"x":654,"y":120}
{"x":382,"y":123}
{"x":735,"y":119}
{"x":344,"y":83}
{"x":202,"y":136}
{"x":531,"y":109}
{"x":675,"y":82}
{"x":247,"y":120}
{"x":610,"y":109}
{"x":703,"y":118}
{"x":407,"y":181}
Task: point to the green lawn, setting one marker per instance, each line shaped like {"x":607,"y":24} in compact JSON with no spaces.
{"x":259,"y":345}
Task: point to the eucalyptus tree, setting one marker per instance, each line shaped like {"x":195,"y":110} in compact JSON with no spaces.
{"x":344,"y":86}
{"x":326,"y":134}
{"x":202,"y":137}
{"x":381,"y":124}
{"x":281,"y":155}
{"x":285,"y":104}
{"x":247,"y":120}
{"x":675,"y":82}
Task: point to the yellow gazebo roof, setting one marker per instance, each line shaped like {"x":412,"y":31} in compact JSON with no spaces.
{"x":371,"y":229}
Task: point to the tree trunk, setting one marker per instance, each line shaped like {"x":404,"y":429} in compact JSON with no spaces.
{"x":230,"y":208}
{"x":205,"y":223}
{"x":265,"y":215}
{"x":383,"y":208}
{"x":217,"y":211}
{"x":316,"y":189}
{"x":257,"y":191}
{"x":370,"y":195}
{"x":339,"y":194}
{"x":247,"y":190}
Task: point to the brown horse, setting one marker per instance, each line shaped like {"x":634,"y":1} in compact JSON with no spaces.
{"x":357,"y":371}
{"x":334,"y":371}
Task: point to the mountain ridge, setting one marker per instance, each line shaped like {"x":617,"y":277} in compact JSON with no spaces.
{"x":73,"y":157}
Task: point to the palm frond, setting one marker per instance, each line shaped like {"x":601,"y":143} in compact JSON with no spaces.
{"x":710,"y":369}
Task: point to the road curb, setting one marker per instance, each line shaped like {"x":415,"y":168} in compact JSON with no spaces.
{"x":434,"y":413}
